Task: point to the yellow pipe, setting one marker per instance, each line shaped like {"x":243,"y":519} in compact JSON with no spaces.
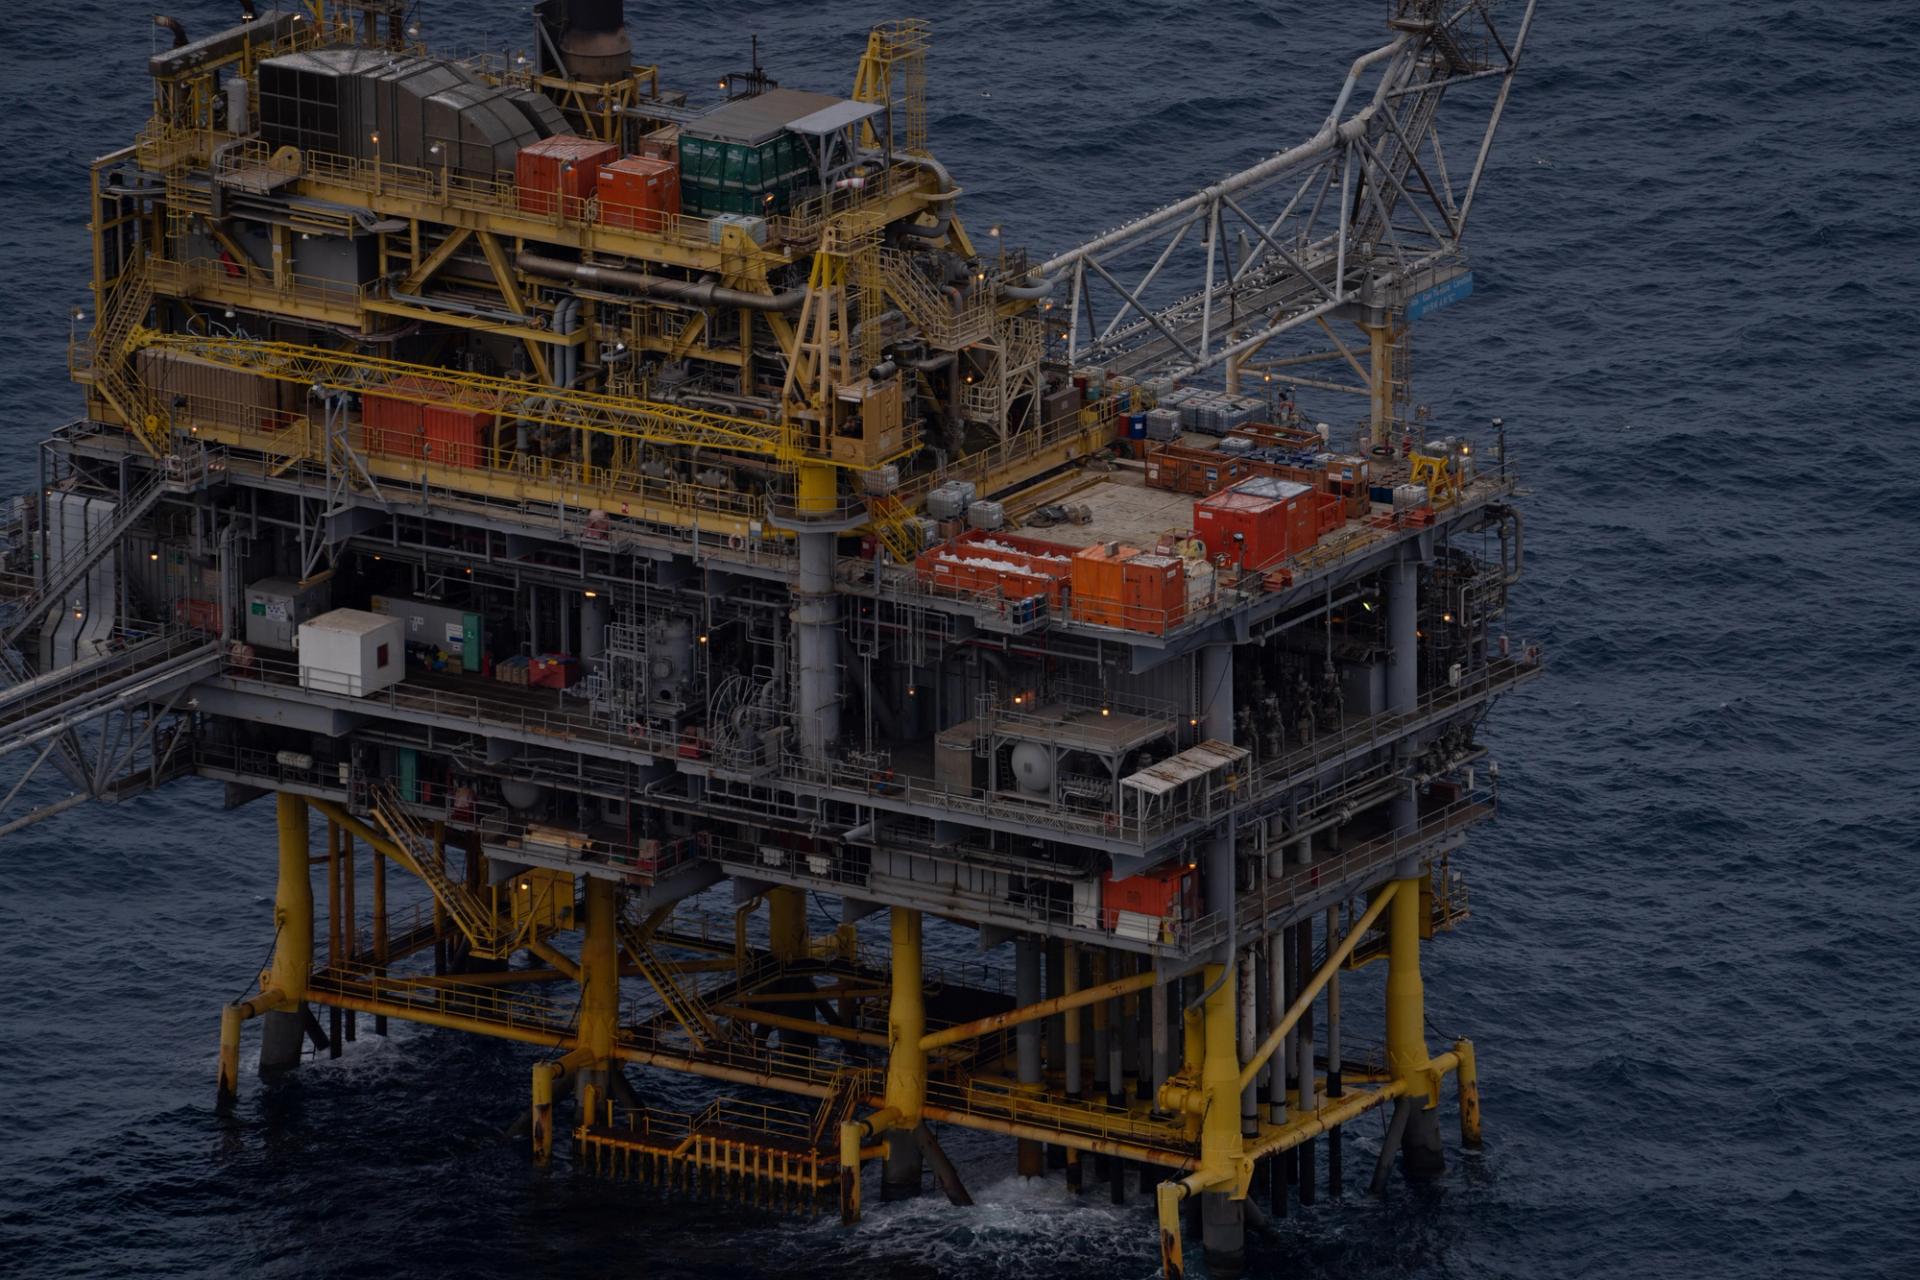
{"x":1468,"y":1080}
{"x":906,"y":1023}
{"x":1406,"y":994}
{"x":544,"y":1075}
{"x":1305,"y":999}
{"x":1220,"y":1141}
{"x":1033,"y":1012}
{"x":293,"y":905}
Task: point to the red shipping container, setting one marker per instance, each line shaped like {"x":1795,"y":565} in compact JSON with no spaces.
{"x":1158,"y":894}
{"x":1271,"y":518}
{"x":639,"y":192}
{"x":455,"y":437}
{"x":394,"y":427}
{"x":558,"y":174}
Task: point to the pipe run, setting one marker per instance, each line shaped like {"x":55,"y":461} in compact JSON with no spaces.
{"x":700,"y":293}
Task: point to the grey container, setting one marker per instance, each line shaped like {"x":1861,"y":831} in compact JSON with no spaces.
{"x":986,"y":515}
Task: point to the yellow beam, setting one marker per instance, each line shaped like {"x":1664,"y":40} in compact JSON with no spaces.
{"x":525,"y":333}
{"x":293,"y":905}
{"x":435,"y":260}
{"x":1335,"y":958}
{"x":1033,"y":1012}
{"x":906,"y":1022}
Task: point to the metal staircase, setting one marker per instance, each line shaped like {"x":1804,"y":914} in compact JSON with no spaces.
{"x":108,"y":368}
{"x":489,"y":935}
{"x":64,"y":576}
{"x":686,"y":1008}
{"x":893,"y":523}
{"x":948,"y":323}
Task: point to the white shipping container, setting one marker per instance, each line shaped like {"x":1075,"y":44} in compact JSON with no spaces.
{"x":351,"y":651}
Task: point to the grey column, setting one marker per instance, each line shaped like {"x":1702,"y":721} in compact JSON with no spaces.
{"x":816,"y":612}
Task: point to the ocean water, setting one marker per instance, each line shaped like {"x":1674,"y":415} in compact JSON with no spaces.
{"x":1688,"y":970}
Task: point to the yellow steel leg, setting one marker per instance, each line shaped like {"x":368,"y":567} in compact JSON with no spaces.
{"x":1220,"y":1141}
{"x":1172,"y":1252}
{"x":292,"y":905}
{"x":1468,"y":1080}
{"x":599,"y":981}
{"x":787,"y":924}
{"x":851,"y":1135}
{"x":906,"y":1023}
{"x":228,"y":1085}
{"x":1406,"y":994}
{"x":543,"y":1076}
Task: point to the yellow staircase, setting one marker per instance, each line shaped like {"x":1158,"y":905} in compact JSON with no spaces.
{"x":686,"y":1008}
{"x":493,"y":934}
{"x":108,"y":368}
{"x":893,"y":524}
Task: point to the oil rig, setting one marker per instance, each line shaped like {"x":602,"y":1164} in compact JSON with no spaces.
{"x":648,"y":521}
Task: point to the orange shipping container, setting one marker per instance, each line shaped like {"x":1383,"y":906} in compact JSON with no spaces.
{"x":455,"y":437}
{"x":639,"y":192}
{"x":394,"y":427}
{"x":1099,"y":590}
{"x":558,"y":174}
{"x":1258,"y":523}
{"x":1154,"y":593}
{"x":1158,"y":894}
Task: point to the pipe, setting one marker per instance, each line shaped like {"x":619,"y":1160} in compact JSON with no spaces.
{"x":948,"y":192}
{"x":699,"y":293}
{"x":172,"y":24}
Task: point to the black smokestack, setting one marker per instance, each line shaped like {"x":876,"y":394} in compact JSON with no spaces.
{"x":596,"y":46}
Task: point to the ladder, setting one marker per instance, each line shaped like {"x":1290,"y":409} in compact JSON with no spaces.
{"x":109,"y":369}
{"x":474,"y":918}
{"x":686,"y":1008}
{"x":893,"y":524}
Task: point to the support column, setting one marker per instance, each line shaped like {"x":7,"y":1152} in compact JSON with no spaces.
{"x":1335,"y":1175}
{"x":1421,"y":1159}
{"x":1222,"y":1218}
{"x":1403,"y":667}
{"x":1070,"y":1035}
{"x":816,"y":611}
{"x":787,"y":924}
{"x":906,"y":1094}
{"x":599,"y":996}
{"x":1030,"y":1160}
{"x":1162,"y":1047}
{"x":284,"y":1029}
{"x":1380,"y":379}
{"x":350,"y":918}
{"x":1054,"y":1050}
{"x":380,"y":941}
{"x":1309,"y":1100}
{"x":1247,"y":1023}
{"x":334,"y":932}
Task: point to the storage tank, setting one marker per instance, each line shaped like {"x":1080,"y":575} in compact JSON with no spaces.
{"x":1033,"y":768}
{"x":596,"y":46}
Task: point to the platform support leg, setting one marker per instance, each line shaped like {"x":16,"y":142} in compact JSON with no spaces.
{"x":284,"y":1029}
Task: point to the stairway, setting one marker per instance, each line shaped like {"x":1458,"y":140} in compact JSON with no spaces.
{"x":63,"y":577}
{"x":476,"y":919}
{"x":894,"y":525}
{"x":110,"y":370}
{"x":948,"y":324}
{"x":686,"y":1008}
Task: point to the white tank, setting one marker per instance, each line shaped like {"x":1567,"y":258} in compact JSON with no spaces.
{"x":1033,"y":768}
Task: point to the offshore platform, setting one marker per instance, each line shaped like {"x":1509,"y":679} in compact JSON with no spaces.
{"x":637,"y":513}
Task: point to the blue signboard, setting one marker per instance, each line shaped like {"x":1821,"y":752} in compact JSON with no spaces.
{"x":1441,"y":295}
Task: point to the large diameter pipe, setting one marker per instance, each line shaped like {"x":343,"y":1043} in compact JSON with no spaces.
{"x":700,"y":293}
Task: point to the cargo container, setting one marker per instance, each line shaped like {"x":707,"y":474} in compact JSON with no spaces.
{"x":1154,"y":593}
{"x":454,"y":436}
{"x":742,"y":158}
{"x":1099,"y":591}
{"x":1257,"y":523}
{"x":639,"y":192}
{"x":351,"y":651}
{"x":558,"y":175}
{"x":199,"y":391}
{"x":1138,"y":906}
{"x":394,"y":425}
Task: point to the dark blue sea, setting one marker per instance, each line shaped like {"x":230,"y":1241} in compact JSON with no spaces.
{"x":1691,"y":967}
